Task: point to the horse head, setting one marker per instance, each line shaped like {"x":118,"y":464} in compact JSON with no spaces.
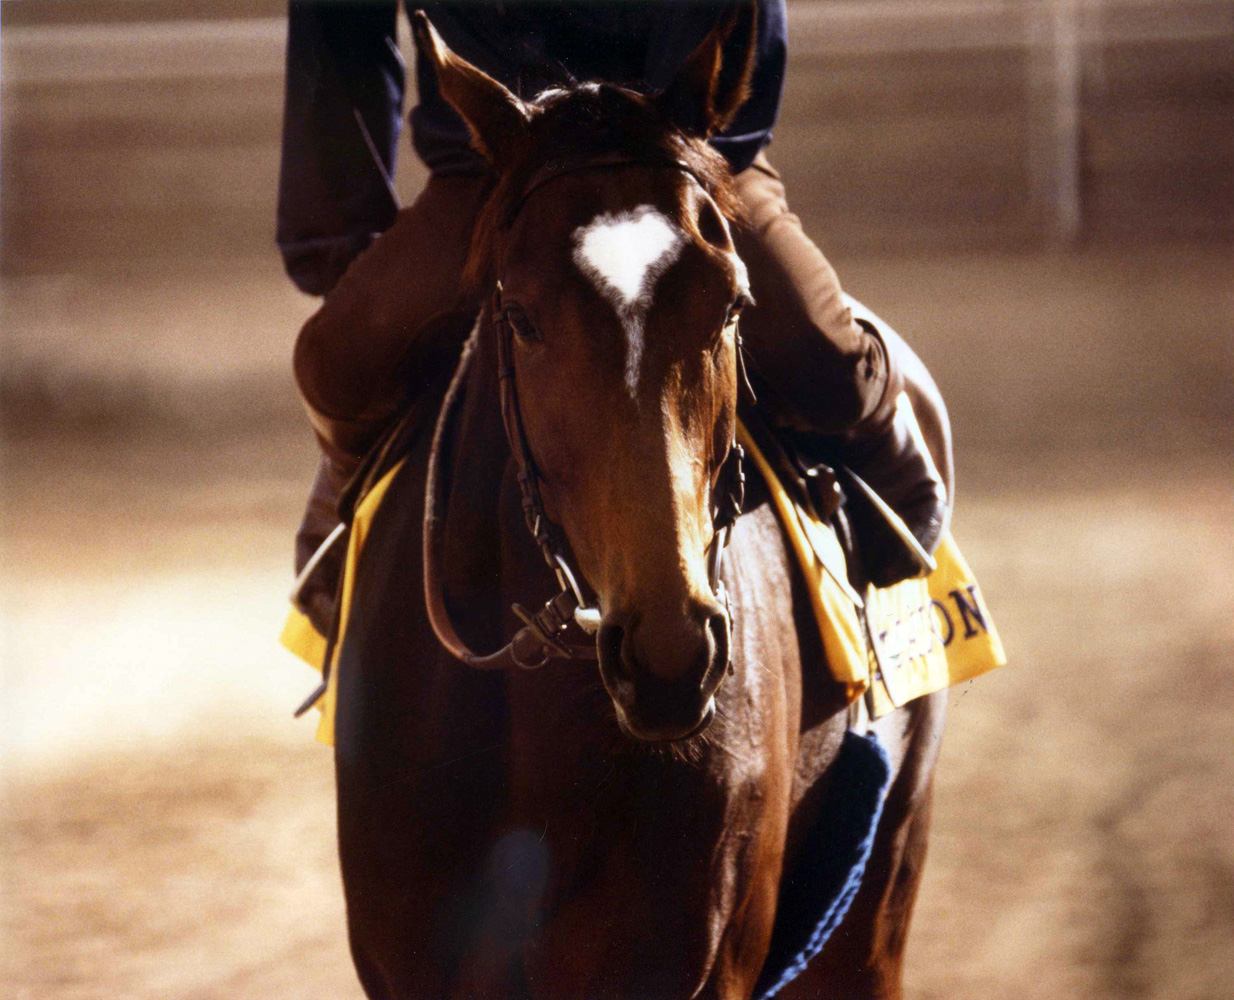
{"x":607,"y":235}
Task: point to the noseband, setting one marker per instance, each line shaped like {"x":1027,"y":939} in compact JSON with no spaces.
{"x":542,"y":637}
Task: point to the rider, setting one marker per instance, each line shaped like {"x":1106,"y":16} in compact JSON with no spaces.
{"x":390,"y":276}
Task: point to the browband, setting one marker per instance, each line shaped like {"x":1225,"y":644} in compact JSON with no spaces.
{"x":565,"y":168}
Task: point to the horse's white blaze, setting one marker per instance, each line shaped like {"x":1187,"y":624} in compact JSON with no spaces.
{"x":624,"y":254}
{"x":627,"y":252}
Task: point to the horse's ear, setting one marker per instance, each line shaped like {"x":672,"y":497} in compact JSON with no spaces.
{"x":706,"y":94}
{"x":495,"y":117}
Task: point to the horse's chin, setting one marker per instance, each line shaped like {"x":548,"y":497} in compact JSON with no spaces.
{"x":664,"y":734}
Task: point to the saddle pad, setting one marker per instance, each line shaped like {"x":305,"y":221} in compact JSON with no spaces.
{"x":306,"y":642}
{"x":832,"y":861}
{"x":924,"y":634}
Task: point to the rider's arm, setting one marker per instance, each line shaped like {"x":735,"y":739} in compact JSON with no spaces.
{"x":342,"y":61}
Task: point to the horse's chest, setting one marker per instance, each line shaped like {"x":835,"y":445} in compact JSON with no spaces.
{"x":653,"y":855}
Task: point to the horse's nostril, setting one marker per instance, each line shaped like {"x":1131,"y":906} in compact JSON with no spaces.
{"x":663,"y":682}
{"x":608,"y":644}
{"x":611,"y":650}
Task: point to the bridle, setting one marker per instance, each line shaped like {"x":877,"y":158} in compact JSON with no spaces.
{"x":543,"y":635}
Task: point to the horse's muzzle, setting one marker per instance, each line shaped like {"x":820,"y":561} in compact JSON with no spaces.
{"x":663,"y":682}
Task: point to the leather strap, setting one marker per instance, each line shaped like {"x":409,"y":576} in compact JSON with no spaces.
{"x":539,"y":639}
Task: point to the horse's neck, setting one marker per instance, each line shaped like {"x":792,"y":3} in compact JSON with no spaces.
{"x":493,"y":562}
{"x":489,"y":554}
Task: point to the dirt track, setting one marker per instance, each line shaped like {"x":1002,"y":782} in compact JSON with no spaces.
{"x":170,"y":831}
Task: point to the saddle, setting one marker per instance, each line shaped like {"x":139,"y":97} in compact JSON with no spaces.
{"x":888,"y":645}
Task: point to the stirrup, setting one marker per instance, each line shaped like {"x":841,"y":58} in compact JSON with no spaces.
{"x":297,"y":588}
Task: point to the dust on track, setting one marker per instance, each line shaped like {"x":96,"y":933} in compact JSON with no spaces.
{"x":1081,"y":839}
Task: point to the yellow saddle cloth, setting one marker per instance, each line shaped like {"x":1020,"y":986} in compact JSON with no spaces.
{"x":299,"y":635}
{"x":924,"y":635}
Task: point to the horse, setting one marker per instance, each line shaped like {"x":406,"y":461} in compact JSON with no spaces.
{"x":620,"y":810}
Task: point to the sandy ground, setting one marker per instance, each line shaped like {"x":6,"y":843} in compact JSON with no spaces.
{"x":168,"y":828}
{"x":169,"y":831}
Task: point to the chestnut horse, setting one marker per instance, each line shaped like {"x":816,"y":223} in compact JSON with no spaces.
{"x":627,"y":831}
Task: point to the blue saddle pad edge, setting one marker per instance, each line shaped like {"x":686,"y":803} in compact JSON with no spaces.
{"x":834,"y":856}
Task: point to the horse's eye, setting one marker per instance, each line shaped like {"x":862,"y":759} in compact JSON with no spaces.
{"x":521,"y":325}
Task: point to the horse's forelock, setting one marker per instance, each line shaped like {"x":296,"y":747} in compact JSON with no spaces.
{"x":587,"y":121}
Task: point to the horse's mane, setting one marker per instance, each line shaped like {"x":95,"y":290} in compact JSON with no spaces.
{"x":580,"y":122}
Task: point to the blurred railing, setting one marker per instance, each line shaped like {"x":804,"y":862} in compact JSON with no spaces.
{"x":253,"y":47}
{"x":907,"y":122}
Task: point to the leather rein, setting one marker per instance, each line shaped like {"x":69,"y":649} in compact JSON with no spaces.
{"x":543,"y":635}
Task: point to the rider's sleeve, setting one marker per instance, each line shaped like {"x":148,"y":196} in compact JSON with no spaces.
{"x":345,"y":78}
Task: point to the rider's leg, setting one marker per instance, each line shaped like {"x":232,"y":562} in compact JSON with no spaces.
{"x":824,"y":371}
{"x":356,"y":359}
{"x":359,"y":359}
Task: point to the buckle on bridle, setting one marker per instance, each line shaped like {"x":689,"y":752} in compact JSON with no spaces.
{"x":731,"y":490}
